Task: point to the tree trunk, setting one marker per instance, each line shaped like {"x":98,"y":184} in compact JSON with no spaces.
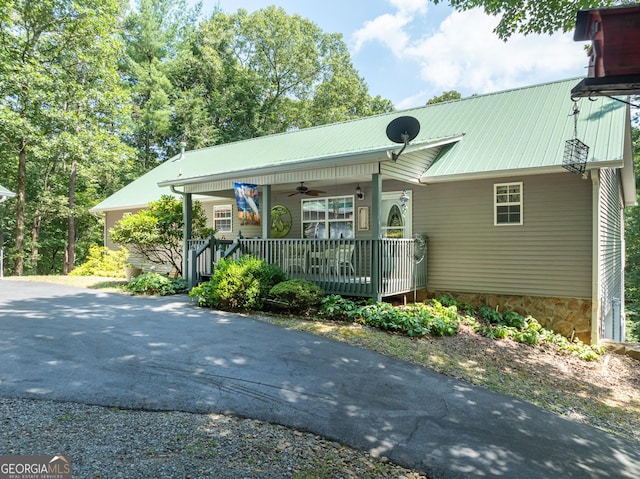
{"x":70,"y":252}
{"x":18,"y":265}
{"x":35,"y":235}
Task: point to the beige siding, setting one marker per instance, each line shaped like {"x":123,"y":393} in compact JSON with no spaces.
{"x":549,"y":255}
{"x":611,"y":255}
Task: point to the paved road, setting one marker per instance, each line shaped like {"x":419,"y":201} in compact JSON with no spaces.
{"x":80,"y":345}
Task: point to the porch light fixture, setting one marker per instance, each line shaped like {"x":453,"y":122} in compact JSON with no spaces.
{"x":359,"y":193}
{"x":402,"y":130}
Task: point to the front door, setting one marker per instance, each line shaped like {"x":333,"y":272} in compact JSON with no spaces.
{"x":396,"y":214}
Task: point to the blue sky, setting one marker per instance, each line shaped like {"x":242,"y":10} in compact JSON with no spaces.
{"x":409,"y":51}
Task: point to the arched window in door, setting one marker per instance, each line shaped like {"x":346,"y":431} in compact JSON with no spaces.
{"x":395,"y":223}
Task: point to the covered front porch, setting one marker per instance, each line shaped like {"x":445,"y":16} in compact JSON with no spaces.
{"x":351,"y":229}
{"x":374,"y":268}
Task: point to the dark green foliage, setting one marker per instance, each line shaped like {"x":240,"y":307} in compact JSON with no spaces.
{"x":241,"y":284}
{"x":529,"y":331}
{"x":155,"y":284}
{"x":416,"y":320}
{"x":447,"y":301}
{"x":297,"y":295}
{"x":513,"y":319}
{"x":337,"y":308}
{"x":632,"y":263}
{"x":491,"y":315}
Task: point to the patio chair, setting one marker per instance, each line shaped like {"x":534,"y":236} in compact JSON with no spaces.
{"x":340,"y":258}
{"x":295,"y":258}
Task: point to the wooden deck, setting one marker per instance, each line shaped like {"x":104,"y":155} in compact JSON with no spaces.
{"x":350,"y":267}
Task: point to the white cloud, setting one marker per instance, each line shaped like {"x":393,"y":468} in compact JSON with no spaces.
{"x":466,"y":55}
{"x":410,"y":6}
{"x":388,"y":28}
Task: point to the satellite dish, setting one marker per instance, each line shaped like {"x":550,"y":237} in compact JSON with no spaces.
{"x":402,"y":130}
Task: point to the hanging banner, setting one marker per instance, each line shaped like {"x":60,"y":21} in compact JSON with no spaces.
{"x":248,"y":201}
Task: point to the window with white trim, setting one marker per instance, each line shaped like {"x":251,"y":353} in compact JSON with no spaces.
{"x":223,"y":218}
{"x":507,"y":203}
{"x":331,"y":217}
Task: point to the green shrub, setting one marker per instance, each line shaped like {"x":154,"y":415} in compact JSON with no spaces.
{"x":415,"y":320}
{"x":491,"y":315}
{"x":155,"y":284}
{"x":513,"y":319}
{"x":241,"y":284}
{"x":103,"y":262}
{"x":448,"y":301}
{"x":337,"y":308}
{"x":529,"y":331}
{"x":297,"y":295}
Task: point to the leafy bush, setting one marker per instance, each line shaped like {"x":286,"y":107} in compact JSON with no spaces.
{"x":241,"y":284}
{"x":155,"y":232}
{"x":415,"y":320}
{"x":529,"y":331}
{"x":298,"y":295}
{"x":491,"y":315}
{"x":155,"y":284}
{"x":514,"y":320}
{"x":103,"y":262}
{"x":337,"y":308}
{"x":448,"y":301}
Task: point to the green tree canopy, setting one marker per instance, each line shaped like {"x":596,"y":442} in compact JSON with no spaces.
{"x":60,"y":106}
{"x":152,"y":34}
{"x":245,"y":75}
{"x":532,"y":16}
{"x":446,"y":96}
{"x":155,"y":232}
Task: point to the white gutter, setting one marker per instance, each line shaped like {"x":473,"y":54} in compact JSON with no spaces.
{"x":484,"y":175}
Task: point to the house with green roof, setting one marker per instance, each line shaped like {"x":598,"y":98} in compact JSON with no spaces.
{"x":512,"y":199}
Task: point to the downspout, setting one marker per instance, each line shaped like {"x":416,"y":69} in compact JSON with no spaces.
{"x":596,"y":307}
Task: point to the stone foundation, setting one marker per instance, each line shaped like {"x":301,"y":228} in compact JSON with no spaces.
{"x":570,"y":317}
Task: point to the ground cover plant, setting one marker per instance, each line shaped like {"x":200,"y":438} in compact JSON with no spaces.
{"x":156,"y":284}
{"x":440,"y":317}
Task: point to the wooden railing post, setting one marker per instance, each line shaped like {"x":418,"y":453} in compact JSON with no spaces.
{"x":192,"y":276}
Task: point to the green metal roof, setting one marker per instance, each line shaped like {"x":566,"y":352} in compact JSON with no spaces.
{"x":5,"y":192}
{"x":520,"y":130}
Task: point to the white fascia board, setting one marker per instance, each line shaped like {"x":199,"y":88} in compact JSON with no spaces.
{"x":484,"y":175}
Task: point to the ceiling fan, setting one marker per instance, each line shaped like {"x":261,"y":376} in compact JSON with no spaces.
{"x":303,"y":190}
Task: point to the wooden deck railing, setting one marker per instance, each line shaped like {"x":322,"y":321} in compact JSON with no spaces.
{"x":351,"y":267}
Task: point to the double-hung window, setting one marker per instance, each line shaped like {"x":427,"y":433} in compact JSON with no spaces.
{"x":222,"y":218}
{"x":331,"y":217}
{"x":507,"y":203}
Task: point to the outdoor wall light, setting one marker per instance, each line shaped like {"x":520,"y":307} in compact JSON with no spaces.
{"x":359,"y":193}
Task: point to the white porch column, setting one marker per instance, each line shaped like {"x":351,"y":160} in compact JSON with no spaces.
{"x":187,"y":218}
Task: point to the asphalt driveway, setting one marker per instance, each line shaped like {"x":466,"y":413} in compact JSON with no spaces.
{"x":73,"y":344}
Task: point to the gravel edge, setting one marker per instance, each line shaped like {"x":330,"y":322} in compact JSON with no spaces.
{"x":116,"y":443}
